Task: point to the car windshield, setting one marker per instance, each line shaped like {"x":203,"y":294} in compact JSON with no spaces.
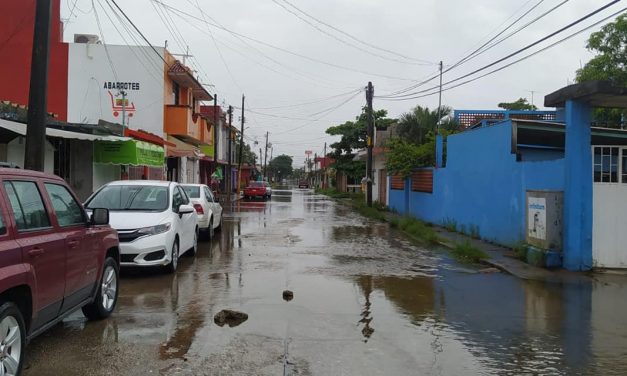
{"x":192,"y":191}
{"x":256,"y":184}
{"x":131,"y":197}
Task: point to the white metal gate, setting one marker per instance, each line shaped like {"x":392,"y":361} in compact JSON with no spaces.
{"x":609,"y":210}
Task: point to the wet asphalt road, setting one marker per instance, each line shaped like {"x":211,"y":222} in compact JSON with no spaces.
{"x":366,"y":302}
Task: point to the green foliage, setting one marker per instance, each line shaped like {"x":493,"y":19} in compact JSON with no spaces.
{"x":519,"y":104}
{"x":403,"y":157}
{"x":248,"y":156}
{"x":609,"y":64}
{"x":450,"y":224}
{"x":281,"y":166}
{"x":466,"y":252}
{"x":415,"y":126}
{"x":610,"y":46}
{"x":353,"y":135}
{"x":521,"y":251}
{"x":416,"y":229}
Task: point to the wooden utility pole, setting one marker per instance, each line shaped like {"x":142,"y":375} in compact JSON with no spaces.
{"x":324,"y":179}
{"x":369,"y":95}
{"x":229,"y":171}
{"x":241,"y":148}
{"x":265,"y":160}
{"x":35,"y":154}
{"x":437,"y":125}
{"x":215,"y":130}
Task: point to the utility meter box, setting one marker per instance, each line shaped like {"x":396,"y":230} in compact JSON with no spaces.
{"x":544,"y":212}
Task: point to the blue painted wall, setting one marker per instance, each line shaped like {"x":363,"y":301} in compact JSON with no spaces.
{"x":483,"y":185}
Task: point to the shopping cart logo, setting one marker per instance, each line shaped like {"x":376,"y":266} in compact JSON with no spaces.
{"x":119,"y":105}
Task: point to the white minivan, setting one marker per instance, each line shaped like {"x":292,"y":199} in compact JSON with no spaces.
{"x":155,"y":221}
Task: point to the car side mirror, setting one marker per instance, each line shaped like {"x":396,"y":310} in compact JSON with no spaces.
{"x":99,"y":217}
{"x":186,"y":209}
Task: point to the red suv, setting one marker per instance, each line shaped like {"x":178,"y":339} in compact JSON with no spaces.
{"x":54,"y":259}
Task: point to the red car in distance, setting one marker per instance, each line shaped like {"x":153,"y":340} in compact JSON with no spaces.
{"x":258,"y":189}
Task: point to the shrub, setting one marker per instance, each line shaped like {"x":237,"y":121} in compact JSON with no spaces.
{"x":466,"y":252}
{"x":450,"y":224}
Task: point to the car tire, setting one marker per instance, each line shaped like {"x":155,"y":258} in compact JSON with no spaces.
{"x":174,"y":263}
{"x":210,"y":229}
{"x":219,"y":228}
{"x":194,"y":249}
{"x":107,"y":294}
{"x":14,"y":339}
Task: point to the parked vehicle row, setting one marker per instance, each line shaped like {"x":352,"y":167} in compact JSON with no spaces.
{"x":57,"y":256}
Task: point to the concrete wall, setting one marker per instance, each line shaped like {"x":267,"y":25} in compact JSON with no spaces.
{"x":105,"y":173}
{"x":482,"y":185}
{"x":81,"y":167}
{"x":17,"y":147}
{"x":91,"y":81}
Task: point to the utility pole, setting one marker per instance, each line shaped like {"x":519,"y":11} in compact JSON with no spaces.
{"x":241,"y":145}
{"x":230,"y":158}
{"x":260,"y":159}
{"x":324,"y":179}
{"x":215,"y":130}
{"x":369,"y":95}
{"x":34,"y":157}
{"x":437,"y":125}
{"x":123,"y":94}
{"x":265,"y":161}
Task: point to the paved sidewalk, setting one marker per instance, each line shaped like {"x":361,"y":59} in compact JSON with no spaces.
{"x":504,"y":259}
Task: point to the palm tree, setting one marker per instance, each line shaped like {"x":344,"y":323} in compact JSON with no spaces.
{"x":414,"y":126}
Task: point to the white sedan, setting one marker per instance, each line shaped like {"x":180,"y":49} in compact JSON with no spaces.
{"x":207,"y":208}
{"x":155,"y":220}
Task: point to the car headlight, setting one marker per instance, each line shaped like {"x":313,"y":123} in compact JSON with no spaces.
{"x":154,"y":230}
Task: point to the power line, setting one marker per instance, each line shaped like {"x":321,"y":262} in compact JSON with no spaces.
{"x":511,"y":63}
{"x":140,"y":33}
{"x":329,"y":111}
{"x":104,"y":42}
{"x":307,"y":103}
{"x":515,"y":52}
{"x":482,"y":49}
{"x":342,"y":40}
{"x":355,"y":38}
{"x":315,"y":80}
{"x":283,"y":49}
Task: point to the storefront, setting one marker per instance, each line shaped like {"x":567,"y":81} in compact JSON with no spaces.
{"x":131,"y":159}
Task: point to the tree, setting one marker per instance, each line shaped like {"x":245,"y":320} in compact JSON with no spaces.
{"x":281,"y":166}
{"x":248,"y":156}
{"x":414,"y":126}
{"x":403,"y":157}
{"x":521,"y":104}
{"x":353,"y":135}
{"x":610,"y":46}
{"x":609,"y":64}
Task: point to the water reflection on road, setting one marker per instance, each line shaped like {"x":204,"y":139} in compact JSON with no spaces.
{"x":366,"y":301}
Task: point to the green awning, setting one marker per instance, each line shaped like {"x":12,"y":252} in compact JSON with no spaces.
{"x":133,"y":152}
{"x":207,"y":150}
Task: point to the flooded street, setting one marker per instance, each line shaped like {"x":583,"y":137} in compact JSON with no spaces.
{"x":366,"y":302}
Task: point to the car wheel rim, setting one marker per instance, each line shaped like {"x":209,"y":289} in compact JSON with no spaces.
{"x":10,"y":345}
{"x":109,"y":287}
{"x":175,"y":255}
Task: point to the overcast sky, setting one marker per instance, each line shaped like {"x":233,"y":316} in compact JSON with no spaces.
{"x":423,"y":30}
